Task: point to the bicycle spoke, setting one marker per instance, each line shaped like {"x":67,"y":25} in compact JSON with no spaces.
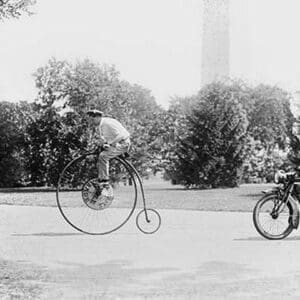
{"x":86,"y":211}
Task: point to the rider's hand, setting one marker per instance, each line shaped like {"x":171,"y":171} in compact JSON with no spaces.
{"x":105,"y":146}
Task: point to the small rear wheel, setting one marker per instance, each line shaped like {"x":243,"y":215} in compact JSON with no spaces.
{"x":272,"y":217}
{"x":149,"y":223}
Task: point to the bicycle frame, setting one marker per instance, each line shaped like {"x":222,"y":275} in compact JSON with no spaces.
{"x":269,"y":207}
{"x":287,"y":197}
{"x":130,"y":165}
{"x":136,"y":173}
{"x":148,"y":220}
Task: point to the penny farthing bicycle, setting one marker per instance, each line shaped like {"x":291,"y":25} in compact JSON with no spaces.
{"x":88,"y":209}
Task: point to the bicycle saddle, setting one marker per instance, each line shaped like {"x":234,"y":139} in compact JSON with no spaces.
{"x":125,"y":155}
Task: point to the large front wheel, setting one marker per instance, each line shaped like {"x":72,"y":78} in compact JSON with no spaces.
{"x":87,"y":206}
{"x":272,"y":217}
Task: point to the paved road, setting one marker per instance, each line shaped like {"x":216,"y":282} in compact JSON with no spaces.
{"x":195,"y":255}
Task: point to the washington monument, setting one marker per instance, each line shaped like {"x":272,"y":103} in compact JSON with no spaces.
{"x":215,"y":40}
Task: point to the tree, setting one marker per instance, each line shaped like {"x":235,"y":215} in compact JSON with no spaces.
{"x":294,"y":150}
{"x":51,"y":142}
{"x":270,"y":116}
{"x":211,"y":147}
{"x":15,"y":8}
{"x":13,"y":121}
{"x":83,"y":85}
{"x":270,"y":129}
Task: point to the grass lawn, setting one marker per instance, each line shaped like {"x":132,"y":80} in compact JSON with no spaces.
{"x":160,"y":194}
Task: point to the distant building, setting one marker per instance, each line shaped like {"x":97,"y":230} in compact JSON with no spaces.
{"x":216,"y":49}
{"x":215,"y":40}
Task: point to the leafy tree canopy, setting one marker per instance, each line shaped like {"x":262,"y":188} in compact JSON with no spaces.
{"x":15,"y":8}
{"x":13,"y":121}
{"x":225,"y":126}
{"x":270,"y":116}
{"x":210,"y":144}
{"x":76,"y":87}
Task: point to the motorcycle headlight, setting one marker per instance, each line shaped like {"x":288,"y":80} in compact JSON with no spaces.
{"x":279,"y":176}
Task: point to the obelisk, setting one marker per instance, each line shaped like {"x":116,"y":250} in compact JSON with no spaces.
{"x":215,"y":40}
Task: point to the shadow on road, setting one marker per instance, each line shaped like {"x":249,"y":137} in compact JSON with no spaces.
{"x":113,"y":279}
{"x":120,"y":279}
{"x":261,"y":239}
{"x":251,"y":238}
{"x":48,"y":234}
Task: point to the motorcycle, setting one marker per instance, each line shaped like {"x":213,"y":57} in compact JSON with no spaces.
{"x":277,"y":213}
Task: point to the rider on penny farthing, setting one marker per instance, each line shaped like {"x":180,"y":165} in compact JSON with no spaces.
{"x":97,"y":191}
{"x":114,"y":140}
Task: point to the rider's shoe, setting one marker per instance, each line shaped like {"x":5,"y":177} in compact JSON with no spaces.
{"x":106,"y":189}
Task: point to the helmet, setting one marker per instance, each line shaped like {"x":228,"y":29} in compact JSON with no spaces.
{"x":94,"y":113}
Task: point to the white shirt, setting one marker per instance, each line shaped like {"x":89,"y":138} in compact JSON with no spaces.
{"x":112,"y":130}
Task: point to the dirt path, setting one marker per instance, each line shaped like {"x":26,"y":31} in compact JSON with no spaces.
{"x":195,"y":255}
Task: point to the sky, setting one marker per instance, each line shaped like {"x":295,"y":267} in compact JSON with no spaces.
{"x":154,"y":43}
